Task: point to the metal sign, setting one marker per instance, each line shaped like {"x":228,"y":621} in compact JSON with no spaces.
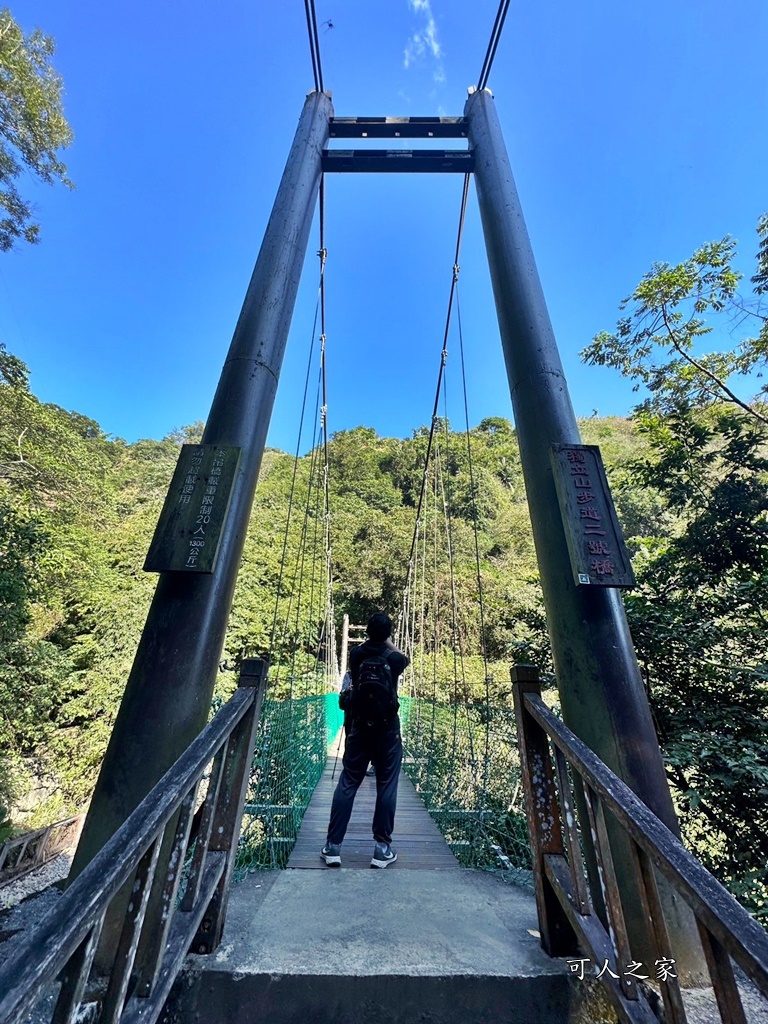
{"x":599,"y":556}
{"x":189,"y":529}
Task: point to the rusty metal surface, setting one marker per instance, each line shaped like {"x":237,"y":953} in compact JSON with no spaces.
{"x":571,"y":833}
{"x":713,"y":905}
{"x":671,"y":992}
{"x":727,"y":930}
{"x":596,"y":941}
{"x":557,"y":934}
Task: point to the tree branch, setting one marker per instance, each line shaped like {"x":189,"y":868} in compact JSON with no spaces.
{"x":708,"y":373}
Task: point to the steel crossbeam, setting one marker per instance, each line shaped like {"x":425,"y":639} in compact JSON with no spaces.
{"x":398,"y":128}
{"x":411,"y":161}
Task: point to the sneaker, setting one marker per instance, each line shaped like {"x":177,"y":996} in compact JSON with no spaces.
{"x":331,"y":854}
{"x":371,"y":772}
{"x":383,"y":854}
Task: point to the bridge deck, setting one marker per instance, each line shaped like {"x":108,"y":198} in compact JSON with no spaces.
{"x":417,"y":839}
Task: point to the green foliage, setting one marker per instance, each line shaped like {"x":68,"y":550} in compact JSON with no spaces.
{"x":698,"y":621}
{"x":701,"y":544}
{"x":78,"y":508}
{"x":462,"y":757}
{"x":656,"y":344}
{"x":760,"y":279}
{"x":289,"y":757}
{"x":32,"y":125}
{"x":13,"y":372}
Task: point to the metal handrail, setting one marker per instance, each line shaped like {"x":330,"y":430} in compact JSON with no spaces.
{"x":36,"y":848}
{"x":563,"y":902}
{"x":147,"y":959}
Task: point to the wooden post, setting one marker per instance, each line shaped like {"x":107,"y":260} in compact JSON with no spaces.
{"x":344,"y":648}
{"x":557,"y":936}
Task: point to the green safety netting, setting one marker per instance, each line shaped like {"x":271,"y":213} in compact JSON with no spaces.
{"x":464,"y":763}
{"x":289,"y":757}
{"x":462,"y":760}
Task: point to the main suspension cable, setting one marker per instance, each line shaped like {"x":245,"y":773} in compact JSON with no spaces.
{"x":490,"y":53}
{"x":295,"y":470}
{"x":330,"y":632}
{"x":314,"y":44}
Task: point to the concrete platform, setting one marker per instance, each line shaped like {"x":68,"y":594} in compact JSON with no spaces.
{"x":343,"y":946}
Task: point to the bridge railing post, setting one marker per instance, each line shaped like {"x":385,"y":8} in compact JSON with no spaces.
{"x":542,"y":810}
{"x":229,"y":807}
{"x":215,"y":827}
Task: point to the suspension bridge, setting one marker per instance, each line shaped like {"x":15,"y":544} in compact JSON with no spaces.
{"x":539,"y":854}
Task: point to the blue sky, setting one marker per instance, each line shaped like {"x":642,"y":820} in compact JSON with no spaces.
{"x":636,"y":132}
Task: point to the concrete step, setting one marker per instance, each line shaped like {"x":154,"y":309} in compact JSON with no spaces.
{"x":375,"y":947}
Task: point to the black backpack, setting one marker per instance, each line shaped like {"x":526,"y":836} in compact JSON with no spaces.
{"x":374,"y":701}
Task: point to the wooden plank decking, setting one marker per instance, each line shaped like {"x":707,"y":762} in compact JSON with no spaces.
{"x":417,"y":839}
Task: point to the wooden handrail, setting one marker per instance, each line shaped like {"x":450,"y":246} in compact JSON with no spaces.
{"x":725,"y":928}
{"x":36,"y":848}
{"x":65,"y":941}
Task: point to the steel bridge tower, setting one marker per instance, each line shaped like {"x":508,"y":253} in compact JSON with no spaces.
{"x":169,"y":689}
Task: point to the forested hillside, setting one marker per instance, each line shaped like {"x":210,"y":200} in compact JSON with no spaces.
{"x":78,"y":509}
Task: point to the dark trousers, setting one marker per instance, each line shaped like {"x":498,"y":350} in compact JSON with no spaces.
{"x":385,"y":751}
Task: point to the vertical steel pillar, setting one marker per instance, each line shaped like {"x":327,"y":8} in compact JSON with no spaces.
{"x":601,"y":690}
{"x":168,"y":694}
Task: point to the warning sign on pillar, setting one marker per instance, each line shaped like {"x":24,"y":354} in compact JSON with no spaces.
{"x":189,"y":530}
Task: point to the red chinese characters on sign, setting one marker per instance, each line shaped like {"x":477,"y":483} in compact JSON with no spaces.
{"x":590,"y":514}
{"x":595,"y":543}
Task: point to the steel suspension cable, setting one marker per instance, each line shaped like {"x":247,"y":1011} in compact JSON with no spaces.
{"x":316,"y":490}
{"x":457,"y":644}
{"x":441,"y":485}
{"x":314,"y":44}
{"x":443,"y":358}
{"x":490,"y":53}
{"x":299,"y":569}
{"x":315,"y":486}
{"x":475,"y":530}
{"x":330,"y":632}
{"x":296,"y":462}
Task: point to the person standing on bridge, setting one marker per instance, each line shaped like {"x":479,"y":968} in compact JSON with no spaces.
{"x":373,"y":736}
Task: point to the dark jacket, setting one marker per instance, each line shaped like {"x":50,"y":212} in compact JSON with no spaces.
{"x":397,"y":662}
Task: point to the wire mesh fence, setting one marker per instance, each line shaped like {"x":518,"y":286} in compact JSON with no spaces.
{"x":462,"y":760}
{"x":290,"y":754}
{"x":464,"y":763}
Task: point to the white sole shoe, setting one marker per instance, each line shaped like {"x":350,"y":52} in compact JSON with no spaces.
{"x":380,"y":863}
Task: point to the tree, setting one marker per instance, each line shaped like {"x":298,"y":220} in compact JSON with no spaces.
{"x":698,"y":614}
{"x":33,"y":127}
{"x":655,"y":344}
{"x":698,"y":619}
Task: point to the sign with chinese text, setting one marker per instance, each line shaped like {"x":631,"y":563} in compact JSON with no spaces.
{"x":189,"y":529}
{"x":596,"y":545}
